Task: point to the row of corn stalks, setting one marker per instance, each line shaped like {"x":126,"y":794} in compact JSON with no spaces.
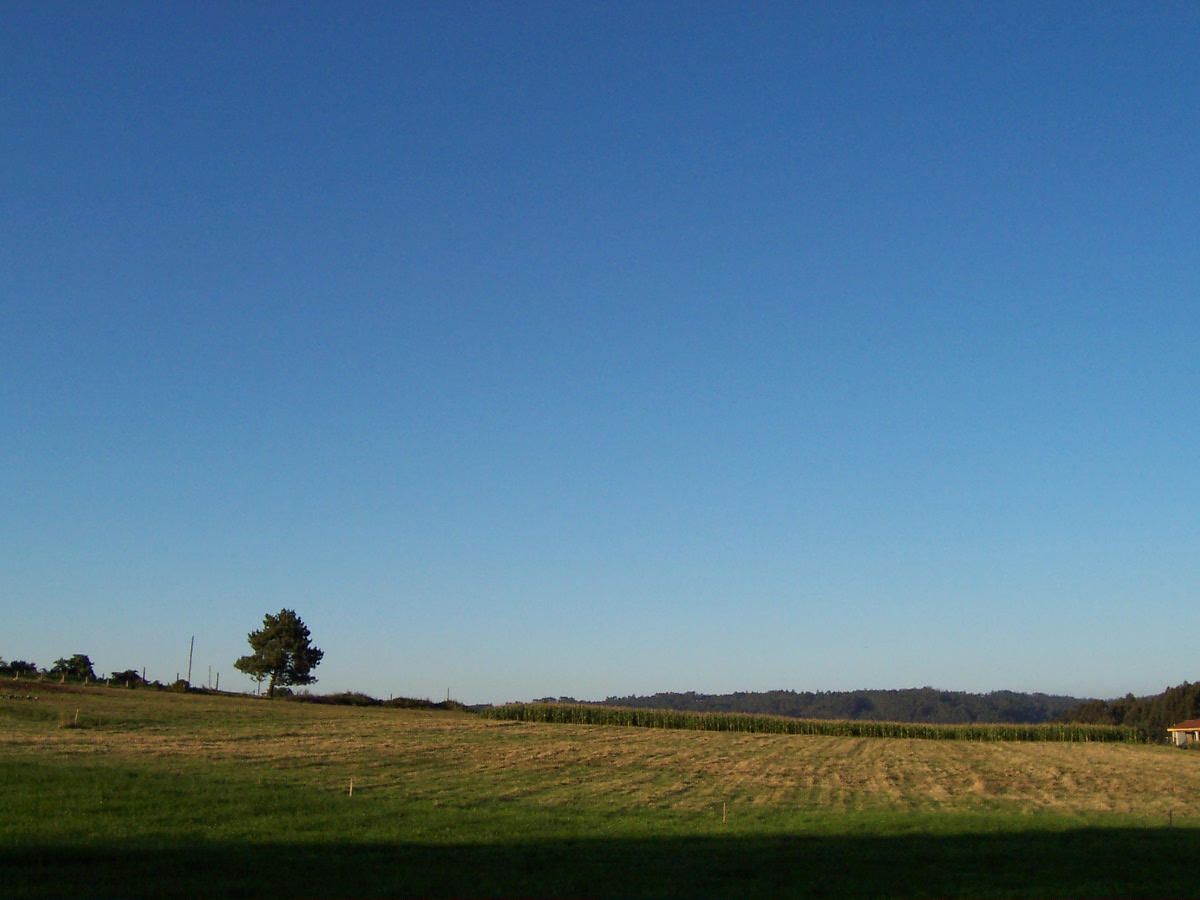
{"x":582,"y":714}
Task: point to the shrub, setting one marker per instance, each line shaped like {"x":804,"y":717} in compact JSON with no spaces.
{"x":19,"y":667}
{"x":128,"y":678}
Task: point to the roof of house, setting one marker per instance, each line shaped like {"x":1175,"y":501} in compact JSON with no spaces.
{"x":1189,"y":725}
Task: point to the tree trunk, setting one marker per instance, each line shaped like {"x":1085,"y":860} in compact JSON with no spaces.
{"x":271,"y":688}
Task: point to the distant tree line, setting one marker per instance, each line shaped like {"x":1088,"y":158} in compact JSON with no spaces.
{"x":1151,"y":716}
{"x":77,"y":668}
{"x":917,"y":705}
{"x":74,"y":668}
{"x":18,"y":668}
{"x":354,"y":698}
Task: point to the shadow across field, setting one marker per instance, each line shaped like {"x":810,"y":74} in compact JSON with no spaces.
{"x":1091,"y":862}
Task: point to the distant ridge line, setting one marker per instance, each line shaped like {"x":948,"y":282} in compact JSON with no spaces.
{"x":917,"y":705}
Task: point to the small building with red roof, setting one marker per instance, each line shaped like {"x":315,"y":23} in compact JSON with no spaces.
{"x":1185,"y":732}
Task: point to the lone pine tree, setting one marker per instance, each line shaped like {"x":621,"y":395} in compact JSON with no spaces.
{"x":283,"y":652}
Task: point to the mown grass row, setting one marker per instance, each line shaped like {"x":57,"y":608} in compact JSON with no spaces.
{"x":566,"y":714}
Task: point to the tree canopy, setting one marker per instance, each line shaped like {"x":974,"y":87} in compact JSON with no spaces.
{"x":20,"y":667}
{"x":128,"y":677}
{"x":1151,"y":716}
{"x":78,"y":666}
{"x":283,"y":652}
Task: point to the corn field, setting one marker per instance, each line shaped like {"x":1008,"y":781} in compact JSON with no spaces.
{"x":566,"y":714}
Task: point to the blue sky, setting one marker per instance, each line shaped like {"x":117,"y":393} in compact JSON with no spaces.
{"x":591,"y":349}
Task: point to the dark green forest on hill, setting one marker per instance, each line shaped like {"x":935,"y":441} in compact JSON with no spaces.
{"x":1151,"y":716}
{"x":924,"y":705}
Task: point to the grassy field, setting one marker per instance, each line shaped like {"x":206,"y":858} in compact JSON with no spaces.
{"x":111,"y":792}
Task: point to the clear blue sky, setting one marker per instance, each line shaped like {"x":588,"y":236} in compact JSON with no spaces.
{"x":605,"y":348}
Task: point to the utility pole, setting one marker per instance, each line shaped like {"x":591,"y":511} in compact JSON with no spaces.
{"x":190,"y":649}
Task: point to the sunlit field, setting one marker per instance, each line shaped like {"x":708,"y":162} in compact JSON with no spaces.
{"x":114,"y":792}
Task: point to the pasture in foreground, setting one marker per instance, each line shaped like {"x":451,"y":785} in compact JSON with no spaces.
{"x":111,"y":792}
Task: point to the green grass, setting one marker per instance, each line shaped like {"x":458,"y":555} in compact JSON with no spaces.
{"x":165,"y":795}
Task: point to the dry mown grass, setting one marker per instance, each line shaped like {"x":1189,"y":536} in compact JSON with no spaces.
{"x":457,"y":758}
